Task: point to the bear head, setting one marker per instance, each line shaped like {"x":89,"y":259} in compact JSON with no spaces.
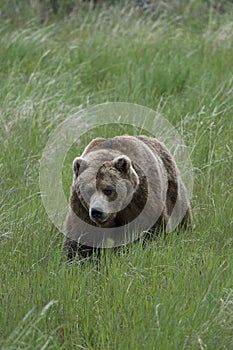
{"x":104,"y":188}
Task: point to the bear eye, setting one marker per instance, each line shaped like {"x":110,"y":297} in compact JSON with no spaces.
{"x":107,"y":192}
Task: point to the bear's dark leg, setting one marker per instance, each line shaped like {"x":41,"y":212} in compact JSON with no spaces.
{"x":85,"y":251}
{"x":70,"y":248}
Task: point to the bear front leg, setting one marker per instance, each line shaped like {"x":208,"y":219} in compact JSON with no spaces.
{"x":70,"y":248}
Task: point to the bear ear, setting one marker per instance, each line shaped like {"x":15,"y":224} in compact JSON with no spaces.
{"x":79,"y":164}
{"x":122,"y":163}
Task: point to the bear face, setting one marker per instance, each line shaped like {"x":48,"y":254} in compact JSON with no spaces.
{"x":105,"y":189}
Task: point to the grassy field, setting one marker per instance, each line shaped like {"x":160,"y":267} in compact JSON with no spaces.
{"x":171,"y":294}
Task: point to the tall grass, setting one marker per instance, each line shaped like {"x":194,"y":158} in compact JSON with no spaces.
{"x":173,"y":293}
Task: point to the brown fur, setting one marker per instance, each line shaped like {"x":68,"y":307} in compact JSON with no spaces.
{"x":123,"y":160}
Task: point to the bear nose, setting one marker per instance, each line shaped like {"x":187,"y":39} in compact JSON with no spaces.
{"x":97,"y":214}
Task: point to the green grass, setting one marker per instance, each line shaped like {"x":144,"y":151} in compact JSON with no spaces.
{"x":173,"y":293}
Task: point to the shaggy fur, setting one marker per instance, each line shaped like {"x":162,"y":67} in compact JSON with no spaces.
{"x":126,"y":172}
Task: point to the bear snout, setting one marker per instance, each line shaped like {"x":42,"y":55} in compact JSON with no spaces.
{"x":98,"y":215}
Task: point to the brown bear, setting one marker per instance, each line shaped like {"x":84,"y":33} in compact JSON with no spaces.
{"x":122,"y":188}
